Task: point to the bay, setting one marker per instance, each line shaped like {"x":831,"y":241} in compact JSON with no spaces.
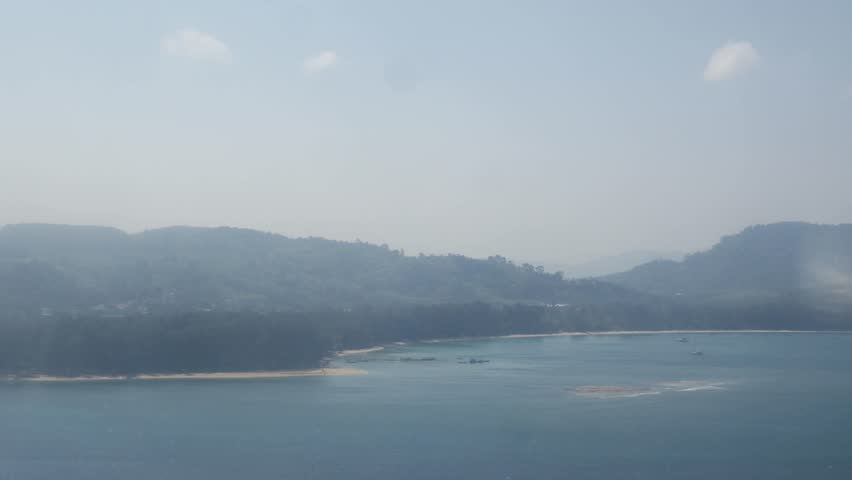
{"x":585,"y":407}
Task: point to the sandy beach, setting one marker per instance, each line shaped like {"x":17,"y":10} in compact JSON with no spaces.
{"x":318,"y":372}
{"x":657,"y":332}
{"x":628,"y":332}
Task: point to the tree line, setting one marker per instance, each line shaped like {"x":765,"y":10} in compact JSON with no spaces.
{"x":79,"y":269}
{"x":246,"y":341}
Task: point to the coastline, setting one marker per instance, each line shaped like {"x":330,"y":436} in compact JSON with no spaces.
{"x":627,"y":332}
{"x":662,"y":332}
{"x":316,"y":372}
{"x":341,"y":371}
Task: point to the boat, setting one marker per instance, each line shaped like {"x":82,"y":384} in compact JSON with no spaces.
{"x":682,"y":339}
{"x":473,"y":360}
{"x":696,"y":351}
{"x":417,"y":359}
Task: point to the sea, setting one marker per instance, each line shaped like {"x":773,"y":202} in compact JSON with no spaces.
{"x":752,"y":406}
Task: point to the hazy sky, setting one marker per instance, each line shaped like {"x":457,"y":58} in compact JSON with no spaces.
{"x":538,"y":130}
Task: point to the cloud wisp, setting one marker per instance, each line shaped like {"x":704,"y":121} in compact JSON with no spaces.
{"x":196,"y":45}
{"x":322,"y":61}
{"x":731,"y":60}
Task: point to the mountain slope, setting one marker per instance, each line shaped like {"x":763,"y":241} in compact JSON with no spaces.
{"x":761,"y":260}
{"x":608,"y":265}
{"x":65,"y":267}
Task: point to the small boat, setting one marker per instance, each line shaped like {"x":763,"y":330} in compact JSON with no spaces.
{"x":473,"y":361}
{"x":682,"y":339}
{"x":417,"y":359}
{"x":696,"y":351}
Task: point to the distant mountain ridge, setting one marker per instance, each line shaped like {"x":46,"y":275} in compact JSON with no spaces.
{"x":772,"y":259}
{"x":94,"y":300}
{"x":47,"y":267}
{"x":611,"y":264}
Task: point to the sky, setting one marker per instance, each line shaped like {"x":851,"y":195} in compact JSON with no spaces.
{"x":543,"y":131}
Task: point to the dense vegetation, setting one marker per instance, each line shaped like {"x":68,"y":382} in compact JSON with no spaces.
{"x":96,"y":269}
{"x":216,"y":341}
{"x":766,"y":260}
{"x":92,"y":300}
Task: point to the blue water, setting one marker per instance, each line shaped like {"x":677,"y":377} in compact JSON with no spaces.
{"x":754,"y":406}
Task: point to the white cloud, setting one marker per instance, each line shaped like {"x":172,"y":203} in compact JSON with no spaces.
{"x":190,"y":43}
{"x":321,"y":61}
{"x":730,"y":60}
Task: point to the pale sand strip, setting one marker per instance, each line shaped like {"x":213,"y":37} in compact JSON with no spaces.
{"x":344,"y":353}
{"x":627,"y":332}
{"x":318,"y":372}
{"x":657,"y":332}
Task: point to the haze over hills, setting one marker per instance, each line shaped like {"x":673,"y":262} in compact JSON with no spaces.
{"x":610,"y":264}
{"x":96,"y":300}
{"x":46,"y":268}
{"x":776,"y":259}
{"x":185,"y":268}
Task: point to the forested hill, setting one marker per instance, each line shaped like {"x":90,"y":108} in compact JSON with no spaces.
{"x":92,"y":300}
{"x":775,"y":259}
{"x":57,"y":267}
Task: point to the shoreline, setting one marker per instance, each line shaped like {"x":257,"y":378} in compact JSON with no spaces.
{"x":316,"y":372}
{"x":660,"y":332}
{"x":628,"y":332}
{"x":342,"y":371}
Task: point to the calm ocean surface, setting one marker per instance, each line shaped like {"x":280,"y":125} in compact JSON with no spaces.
{"x":754,"y":406}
